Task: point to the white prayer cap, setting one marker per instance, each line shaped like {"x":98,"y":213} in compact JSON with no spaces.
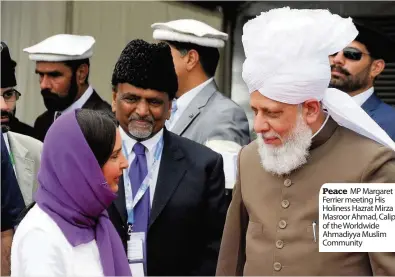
{"x":287,"y":60}
{"x":62,"y":47}
{"x":190,"y":31}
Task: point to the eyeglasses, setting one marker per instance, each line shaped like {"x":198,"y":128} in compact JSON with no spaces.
{"x":352,"y":53}
{"x":11,"y":95}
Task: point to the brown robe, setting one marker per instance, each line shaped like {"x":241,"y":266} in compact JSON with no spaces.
{"x":269,"y":230}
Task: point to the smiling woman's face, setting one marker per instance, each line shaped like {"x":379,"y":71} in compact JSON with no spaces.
{"x":112,"y":169}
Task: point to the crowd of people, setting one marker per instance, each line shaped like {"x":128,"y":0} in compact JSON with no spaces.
{"x":140,"y":187}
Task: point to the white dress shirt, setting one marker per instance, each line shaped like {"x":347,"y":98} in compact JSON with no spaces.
{"x":79,"y":103}
{"x":149,"y":144}
{"x":184,"y":100}
{"x":362,"y":97}
{"x":39,"y":248}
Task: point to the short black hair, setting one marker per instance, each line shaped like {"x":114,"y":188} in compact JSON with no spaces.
{"x":208,"y":56}
{"x":75,"y":64}
{"x":147,"y":66}
{"x":99,"y":129}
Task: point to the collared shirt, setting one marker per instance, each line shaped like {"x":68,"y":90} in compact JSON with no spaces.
{"x":184,"y":100}
{"x":362,"y":97}
{"x":149,"y":144}
{"x":79,"y":103}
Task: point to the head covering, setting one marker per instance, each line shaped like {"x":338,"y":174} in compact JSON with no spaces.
{"x":7,"y":67}
{"x":146,"y":66}
{"x":190,"y":31}
{"x":379,"y":45}
{"x":287,"y":61}
{"x":61,"y":48}
{"x":74,"y":193}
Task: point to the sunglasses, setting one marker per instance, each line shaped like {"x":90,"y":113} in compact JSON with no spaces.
{"x":352,"y":53}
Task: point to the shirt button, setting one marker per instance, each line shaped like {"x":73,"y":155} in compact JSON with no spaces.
{"x":277,"y":266}
{"x":282,"y":224}
{"x":285,"y":204}
{"x":279,"y":244}
{"x":287,"y":182}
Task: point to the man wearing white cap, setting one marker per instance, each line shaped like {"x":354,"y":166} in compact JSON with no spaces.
{"x":200,"y":112}
{"x":62,"y":62}
{"x":271,"y":223}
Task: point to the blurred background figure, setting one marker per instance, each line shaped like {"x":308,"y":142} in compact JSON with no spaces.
{"x":68,"y":232}
{"x":62,"y":63}
{"x":9,"y":96}
{"x":12,"y":205}
{"x":356,"y":68}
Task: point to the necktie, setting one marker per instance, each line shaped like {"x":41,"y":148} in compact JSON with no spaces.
{"x":173,"y":111}
{"x":137,"y":172}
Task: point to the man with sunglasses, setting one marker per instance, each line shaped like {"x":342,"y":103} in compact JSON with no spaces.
{"x":24,"y":150}
{"x":355,"y":69}
{"x":10,"y":95}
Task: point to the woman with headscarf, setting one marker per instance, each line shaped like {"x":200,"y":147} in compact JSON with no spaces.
{"x":68,"y":232}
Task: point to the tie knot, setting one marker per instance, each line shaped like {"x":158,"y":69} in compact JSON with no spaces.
{"x":139,"y":149}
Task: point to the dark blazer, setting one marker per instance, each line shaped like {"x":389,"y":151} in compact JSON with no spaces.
{"x":188,"y":210}
{"x":45,"y":120}
{"x":19,"y":127}
{"x":382,"y":113}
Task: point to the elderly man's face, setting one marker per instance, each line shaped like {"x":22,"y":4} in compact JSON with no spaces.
{"x":141,"y":112}
{"x":284,"y":137}
{"x":350,"y":75}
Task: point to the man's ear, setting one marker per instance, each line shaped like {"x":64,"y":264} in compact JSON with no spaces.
{"x":82,"y":73}
{"x":113,"y":102}
{"x":376,"y":68}
{"x":311,"y":110}
{"x":193,"y":59}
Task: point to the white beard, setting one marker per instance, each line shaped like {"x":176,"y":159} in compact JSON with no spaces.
{"x":291,"y":154}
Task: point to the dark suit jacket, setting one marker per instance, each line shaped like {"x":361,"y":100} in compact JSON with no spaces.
{"x":188,"y":211}
{"x":19,"y":127}
{"x":45,"y":120}
{"x":382,"y":113}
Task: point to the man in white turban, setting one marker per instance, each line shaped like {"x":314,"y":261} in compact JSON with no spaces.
{"x":308,"y":135}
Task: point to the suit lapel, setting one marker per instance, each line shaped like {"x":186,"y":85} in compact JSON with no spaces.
{"x":171,"y":171}
{"x":371,"y":104}
{"x":193,"y":109}
{"x":120,"y":201}
{"x":92,"y":101}
{"x":24,"y":168}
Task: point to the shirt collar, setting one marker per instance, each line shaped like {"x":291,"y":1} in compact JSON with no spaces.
{"x":149,"y":144}
{"x":81,"y":101}
{"x":363,"y":96}
{"x":184,"y":100}
{"x":322,"y":126}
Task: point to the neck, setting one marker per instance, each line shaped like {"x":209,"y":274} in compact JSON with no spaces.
{"x":81,"y":91}
{"x":318,"y":124}
{"x":359,"y":91}
{"x":192,"y":81}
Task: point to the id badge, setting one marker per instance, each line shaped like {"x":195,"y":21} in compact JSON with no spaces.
{"x":135,"y":247}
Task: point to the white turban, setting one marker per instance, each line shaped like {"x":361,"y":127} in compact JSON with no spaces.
{"x":287,"y":60}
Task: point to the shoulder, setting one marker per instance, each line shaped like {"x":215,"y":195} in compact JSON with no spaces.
{"x":31,"y":143}
{"x":95,"y":102}
{"x":44,"y":116}
{"x":224,"y":103}
{"x":192,"y":149}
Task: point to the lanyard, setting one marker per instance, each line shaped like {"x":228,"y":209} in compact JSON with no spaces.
{"x":130,"y":202}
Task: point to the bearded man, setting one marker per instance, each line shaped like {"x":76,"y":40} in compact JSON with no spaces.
{"x":356,"y":68}
{"x":62,"y":63}
{"x":308,"y":135}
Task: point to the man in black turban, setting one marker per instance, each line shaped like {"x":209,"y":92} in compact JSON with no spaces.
{"x":171,"y":223}
{"x":355,"y":69}
{"x":10,"y":95}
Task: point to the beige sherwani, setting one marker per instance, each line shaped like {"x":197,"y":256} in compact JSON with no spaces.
{"x":269,"y":230}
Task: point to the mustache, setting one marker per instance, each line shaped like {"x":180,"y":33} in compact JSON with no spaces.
{"x":270,"y":135}
{"x":340,"y":69}
{"x":148,"y":118}
{"x":6,"y":114}
{"x":47,"y":92}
